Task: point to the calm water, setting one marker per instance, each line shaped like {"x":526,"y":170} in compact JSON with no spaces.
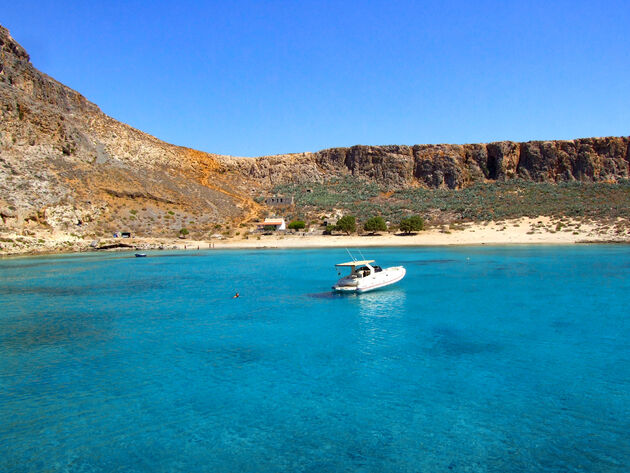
{"x":511,"y":359}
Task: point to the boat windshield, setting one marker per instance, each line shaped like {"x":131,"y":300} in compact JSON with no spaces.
{"x":362,"y":271}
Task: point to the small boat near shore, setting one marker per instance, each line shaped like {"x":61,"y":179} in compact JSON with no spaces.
{"x":364,"y":276}
{"x":141,"y":255}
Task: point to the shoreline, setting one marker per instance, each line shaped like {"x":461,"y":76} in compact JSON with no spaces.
{"x":523,"y":231}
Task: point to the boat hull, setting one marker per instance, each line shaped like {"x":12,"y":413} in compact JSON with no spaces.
{"x":385,"y":278}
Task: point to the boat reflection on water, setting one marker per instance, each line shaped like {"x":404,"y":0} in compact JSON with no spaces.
{"x":378,"y":321}
{"x":385,"y":303}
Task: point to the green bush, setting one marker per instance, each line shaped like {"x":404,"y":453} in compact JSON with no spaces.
{"x":375,"y":224}
{"x":412,"y":224}
{"x":184,"y":231}
{"x":297,"y":225}
{"x":347,"y":224}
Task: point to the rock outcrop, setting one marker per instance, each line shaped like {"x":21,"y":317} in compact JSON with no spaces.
{"x":451,"y":166}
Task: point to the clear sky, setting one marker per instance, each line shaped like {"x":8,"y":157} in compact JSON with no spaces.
{"x":250,"y":78}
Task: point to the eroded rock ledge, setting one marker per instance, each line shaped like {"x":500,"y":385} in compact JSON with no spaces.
{"x":450,"y":166}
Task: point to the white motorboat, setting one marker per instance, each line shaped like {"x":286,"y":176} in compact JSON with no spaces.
{"x":364,"y":276}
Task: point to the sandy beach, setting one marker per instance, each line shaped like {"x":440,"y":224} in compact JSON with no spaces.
{"x":523,"y":231}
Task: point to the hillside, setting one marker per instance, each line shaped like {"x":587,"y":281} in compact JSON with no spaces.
{"x":67,"y":167}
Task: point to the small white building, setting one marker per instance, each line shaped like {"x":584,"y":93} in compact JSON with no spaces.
{"x":272,"y":224}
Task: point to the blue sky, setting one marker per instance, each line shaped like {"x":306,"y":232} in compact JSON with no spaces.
{"x":250,"y":78}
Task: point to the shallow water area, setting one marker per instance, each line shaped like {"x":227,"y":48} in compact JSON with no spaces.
{"x":483,"y":359}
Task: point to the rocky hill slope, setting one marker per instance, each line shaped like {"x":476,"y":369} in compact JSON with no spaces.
{"x":65,"y":165}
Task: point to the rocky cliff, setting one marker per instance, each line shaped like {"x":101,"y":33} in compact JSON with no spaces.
{"x":451,"y":166}
{"x":66,"y":165}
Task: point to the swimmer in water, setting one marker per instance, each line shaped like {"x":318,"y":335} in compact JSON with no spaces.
{"x":235,"y":295}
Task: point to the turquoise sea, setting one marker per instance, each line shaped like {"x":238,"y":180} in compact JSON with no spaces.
{"x":483,"y":359}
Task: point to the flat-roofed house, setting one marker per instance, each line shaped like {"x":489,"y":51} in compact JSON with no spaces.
{"x":272,"y":224}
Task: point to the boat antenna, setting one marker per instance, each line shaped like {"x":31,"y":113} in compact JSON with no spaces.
{"x":353,"y":258}
{"x":362,"y":257}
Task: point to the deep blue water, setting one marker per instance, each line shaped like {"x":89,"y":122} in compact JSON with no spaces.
{"x":483,"y":359}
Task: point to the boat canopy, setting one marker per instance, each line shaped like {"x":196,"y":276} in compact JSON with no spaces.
{"x":356,"y":263}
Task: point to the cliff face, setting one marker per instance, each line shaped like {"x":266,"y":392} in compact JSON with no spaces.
{"x":66,"y":165}
{"x":452,"y":166}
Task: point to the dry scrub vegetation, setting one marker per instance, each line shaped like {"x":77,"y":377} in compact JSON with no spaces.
{"x":480,"y":202}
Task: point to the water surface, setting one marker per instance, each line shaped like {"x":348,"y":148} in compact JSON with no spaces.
{"x":483,"y":359}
